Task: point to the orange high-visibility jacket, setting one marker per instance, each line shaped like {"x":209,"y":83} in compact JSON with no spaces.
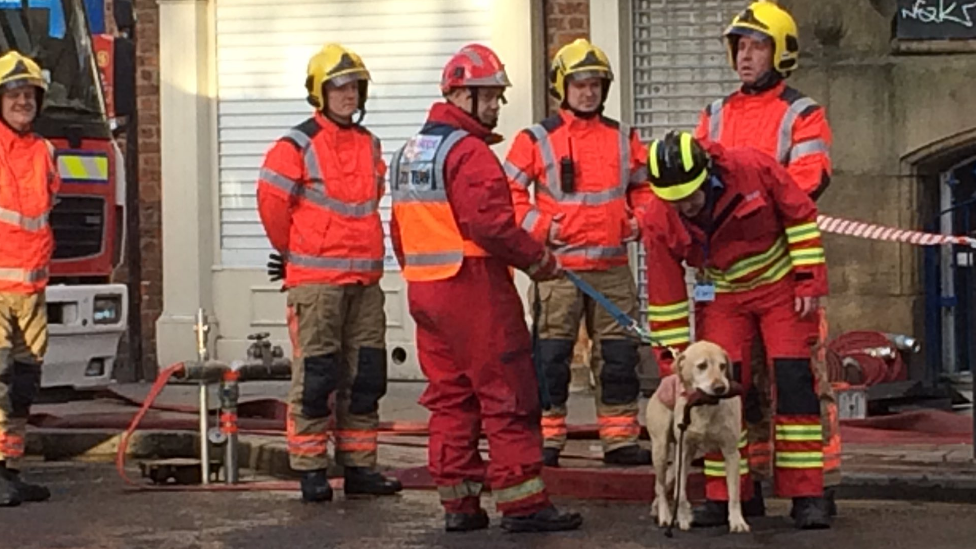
{"x":609,"y":185}
{"x":28,"y":182}
{"x":318,"y":196}
{"x":781,"y":122}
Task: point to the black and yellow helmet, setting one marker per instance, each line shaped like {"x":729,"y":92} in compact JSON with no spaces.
{"x":19,"y":70}
{"x":767,"y":20}
{"x":579,"y":59}
{"x":677,"y":165}
{"x":339,"y":65}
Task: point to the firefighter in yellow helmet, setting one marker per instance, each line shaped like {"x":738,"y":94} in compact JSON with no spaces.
{"x":29,"y":179}
{"x":318,"y":197}
{"x":591,"y":189}
{"x":764,"y":47}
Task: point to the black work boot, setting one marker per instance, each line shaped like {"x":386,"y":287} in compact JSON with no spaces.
{"x":315,"y":486}
{"x":8,"y":493}
{"x":466,"y":522}
{"x":546,"y":520}
{"x":362,"y":480}
{"x":831,"y":504}
{"x":810,"y":513}
{"x":24,"y":492}
{"x":550,"y":457}
{"x":628,"y":455}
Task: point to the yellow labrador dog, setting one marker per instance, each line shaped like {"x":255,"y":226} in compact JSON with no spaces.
{"x":702,"y":370}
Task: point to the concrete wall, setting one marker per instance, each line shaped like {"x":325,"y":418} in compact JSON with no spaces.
{"x":891,"y":113}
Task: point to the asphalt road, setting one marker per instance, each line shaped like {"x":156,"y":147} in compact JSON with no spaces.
{"x":90,"y":510}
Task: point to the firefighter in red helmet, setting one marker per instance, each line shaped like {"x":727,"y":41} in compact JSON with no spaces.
{"x":455,"y":236}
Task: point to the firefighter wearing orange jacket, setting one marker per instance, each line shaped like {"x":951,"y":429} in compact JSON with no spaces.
{"x":318,"y":198}
{"x":768,"y":115}
{"x":28,"y":183}
{"x":738,"y":218}
{"x":591,"y":188}
{"x":454,"y":233}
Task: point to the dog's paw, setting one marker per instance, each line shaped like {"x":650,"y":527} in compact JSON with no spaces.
{"x":738,"y":525}
{"x":663,"y":516}
{"x":684,"y":516}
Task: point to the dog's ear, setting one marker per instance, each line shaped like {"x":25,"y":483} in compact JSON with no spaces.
{"x":680,"y":368}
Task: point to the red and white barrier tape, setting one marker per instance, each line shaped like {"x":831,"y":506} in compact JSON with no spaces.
{"x":871,"y":231}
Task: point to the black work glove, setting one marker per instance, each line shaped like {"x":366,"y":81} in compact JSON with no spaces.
{"x":276,"y":267}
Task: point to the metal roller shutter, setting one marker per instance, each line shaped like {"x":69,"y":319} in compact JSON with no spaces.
{"x":680,"y":65}
{"x":263,"y":47}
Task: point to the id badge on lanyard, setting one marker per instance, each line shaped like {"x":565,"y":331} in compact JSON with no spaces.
{"x":704,"y":286}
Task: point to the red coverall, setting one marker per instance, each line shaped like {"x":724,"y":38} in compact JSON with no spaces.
{"x":761,"y":250}
{"x":791,"y":128}
{"x":473,"y":342}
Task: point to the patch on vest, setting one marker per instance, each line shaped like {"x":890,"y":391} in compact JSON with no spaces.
{"x":417,"y":162}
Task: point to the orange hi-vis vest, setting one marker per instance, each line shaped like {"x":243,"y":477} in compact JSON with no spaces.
{"x":318,"y":195}
{"x":28,"y":182}
{"x":433,"y":247}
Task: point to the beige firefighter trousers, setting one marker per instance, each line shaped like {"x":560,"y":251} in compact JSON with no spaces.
{"x":23,"y":343}
{"x":614,"y":357}
{"x":338,"y":335}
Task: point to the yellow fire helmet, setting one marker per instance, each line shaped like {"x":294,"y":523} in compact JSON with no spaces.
{"x":767,"y":20}
{"x":19,"y":70}
{"x":339,"y":65}
{"x":579,"y":59}
{"x":678,"y":166}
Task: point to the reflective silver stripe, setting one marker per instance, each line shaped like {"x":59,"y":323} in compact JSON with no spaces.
{"x":554,"y":189}
{"x":805,"y":148}
{"x":516,"y":174}
{"x":440,"y":158}
{"x":592,"y":252}
{"x":596,"y":198}
{"x":715,"y":120}
{"x":640,"y":176}
{"x":548,"y":160}
{"x":624,"y":134}
{"x":315,"y":196}
{"x":429,"y":260}
{"x":288,"y":185}
{"x":786,"y":128}
{"x":530,"y":219}
{"x":14,"y":274}
{"x":31,"y":224}
{"x":338,"y":263}
{"x":401,"y":196}
{"x":302,"y":140}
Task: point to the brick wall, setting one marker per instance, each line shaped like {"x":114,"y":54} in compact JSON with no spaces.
{"x":566,"y":20}
{"x":149,"y":201}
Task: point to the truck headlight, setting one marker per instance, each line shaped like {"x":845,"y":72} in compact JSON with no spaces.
{"x":107,"y":309}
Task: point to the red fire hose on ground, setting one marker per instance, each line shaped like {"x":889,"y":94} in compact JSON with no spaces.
{"x":868,"y":358}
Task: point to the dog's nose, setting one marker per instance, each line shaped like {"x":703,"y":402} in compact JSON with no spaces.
{"x":719,"y":388}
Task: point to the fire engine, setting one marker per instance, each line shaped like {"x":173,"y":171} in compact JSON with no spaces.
{"x":87,"y":313}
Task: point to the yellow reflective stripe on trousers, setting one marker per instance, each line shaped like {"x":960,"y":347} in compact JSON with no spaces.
{"x":717,"y":468}
{"x":668,"y":313}
{"x":674,"y":336}
{"x":799,"y":460}
{"x":521,"y":491}
{"x":799,"y":433}
{"x":465,"y":489}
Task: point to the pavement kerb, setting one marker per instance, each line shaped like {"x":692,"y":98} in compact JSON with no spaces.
{"x":268,"y":456}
